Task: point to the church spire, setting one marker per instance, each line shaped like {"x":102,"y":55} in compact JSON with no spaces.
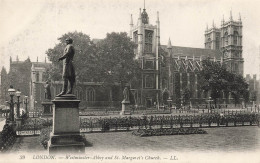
{"x":239,"y":19}
{"x":169,"y":46}
{"x":231,"y":18}
{"x":213,"y":24}
{"x":223,"y":20}
{"x":131,"y":21}
{"x":131,"y":27}
{"x":158,"y":27}
{"x":139,"y":22}
{"x":145,"y":17}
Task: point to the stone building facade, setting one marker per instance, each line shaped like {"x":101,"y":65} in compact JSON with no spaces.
{"x":168,"y":70}
{"x":91,"y":94}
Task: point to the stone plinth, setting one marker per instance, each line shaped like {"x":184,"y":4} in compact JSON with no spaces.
{"x":65,"y":136}
{"x":124,"y":105}
{"x":47,"y":108}
{"x":18,"y":122}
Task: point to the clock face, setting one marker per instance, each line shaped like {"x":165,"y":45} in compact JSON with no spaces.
{"x":225,"y":55}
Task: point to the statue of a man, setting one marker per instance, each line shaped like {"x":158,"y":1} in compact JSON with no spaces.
{"x":126,"y":94}
{"x":68,"y":74}
{"x":47,"y":91}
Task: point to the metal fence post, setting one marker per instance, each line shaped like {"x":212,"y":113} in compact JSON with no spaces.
{"x":171,"y":122}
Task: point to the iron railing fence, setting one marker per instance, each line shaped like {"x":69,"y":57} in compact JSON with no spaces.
{"x":104,"y":124}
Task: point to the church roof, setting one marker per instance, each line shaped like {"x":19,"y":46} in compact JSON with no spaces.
{"x":41,"y":64}
{"x":196,"y":52}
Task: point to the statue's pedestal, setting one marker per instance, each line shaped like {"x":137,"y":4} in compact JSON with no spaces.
{"x":47,"y":108}
{"x":18,"y":122}
{"x":65,"y":136}
{"x":124,"y":105}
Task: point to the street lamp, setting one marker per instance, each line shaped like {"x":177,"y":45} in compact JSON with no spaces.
{"x":35,"y":108}
{"x":11,"y":92}
{"x":209,"y":103}
{"x":26,"y":102}
{"x":169,"y":100}
{"x":18,"y":94}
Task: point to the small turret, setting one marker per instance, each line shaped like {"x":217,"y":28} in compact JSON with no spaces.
{"x":131,"y":27}
{"x":140,"y":35}
{"x":223,"y":20}
{"x":139,"y":22}
{"x":231,"y":18}
{"x":158,"y":27}
{"x":169,"y":46}
{"x":239,"y":18}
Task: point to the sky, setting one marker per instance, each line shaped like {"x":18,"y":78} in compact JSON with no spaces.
{"x":31,"y":27}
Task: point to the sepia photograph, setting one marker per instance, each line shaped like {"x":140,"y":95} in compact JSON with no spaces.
{"x":130,"y":81}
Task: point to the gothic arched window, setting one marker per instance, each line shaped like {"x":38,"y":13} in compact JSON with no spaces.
{"x":217,"y":40}
{"x":90,"y":95}
{"x":149,"y":81}
{"x":236,"y":67}
{"x":235,"y":38}
{"x":209,"y":43}
{"x":226,"y":38}
{"x":148,"y":41}
{"x":37,"y":77}
{"x":136,"y":37}
{"x":78,"y":93}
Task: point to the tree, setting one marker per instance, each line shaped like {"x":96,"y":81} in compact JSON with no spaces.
{"x":215,"y":78}
{"x":238,"y":87}
{"x":186,"y":96}
{"x":110,"y":61}
{"x":84,"y":58}
{"x":116,"y":59}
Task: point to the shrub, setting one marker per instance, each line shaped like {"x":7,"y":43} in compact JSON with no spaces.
{"x":44,"y":137}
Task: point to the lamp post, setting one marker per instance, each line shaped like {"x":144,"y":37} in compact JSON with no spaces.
{"x":26,"y":102}
{"x":209,"y":104}
{"x":35,"y":109}
{"x":18,"y":94}
{"x":181,"y":103}
{"x":11,"y":92}
{"x":169,"y":101}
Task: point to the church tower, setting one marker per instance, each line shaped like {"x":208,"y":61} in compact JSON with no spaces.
{"x":231,"y":44}
{"x":212,"y":37}
{"x":147,"y":38}
{"x":227,"y":39}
